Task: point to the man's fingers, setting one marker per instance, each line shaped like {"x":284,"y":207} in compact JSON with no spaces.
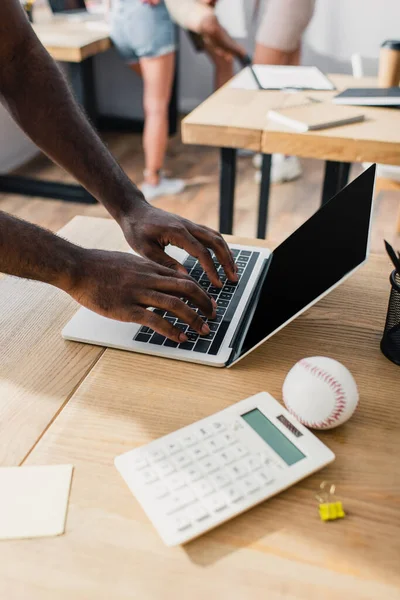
{"x":183,"y":313}
{"x":195,"y":248}
{"x":186,"y":287}
{"x":162,"y":326}
{"x":215,"y":241}
{"x":160,"y":257}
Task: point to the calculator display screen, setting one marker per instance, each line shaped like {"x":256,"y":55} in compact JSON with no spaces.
{"x":273,"y":437}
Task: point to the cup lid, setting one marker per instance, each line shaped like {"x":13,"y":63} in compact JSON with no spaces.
{"x":391,"y":44}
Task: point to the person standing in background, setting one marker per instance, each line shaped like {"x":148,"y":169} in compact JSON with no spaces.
{"x":144,"y":35}
{"x":278,"y":42}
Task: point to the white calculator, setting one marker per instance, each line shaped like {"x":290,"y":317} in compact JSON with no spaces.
{"x":193,"y":479}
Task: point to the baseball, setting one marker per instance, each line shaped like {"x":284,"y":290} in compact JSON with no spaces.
{"x":320,"y":392}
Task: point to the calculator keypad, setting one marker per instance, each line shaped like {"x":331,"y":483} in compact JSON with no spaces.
{"x":207,"y":471}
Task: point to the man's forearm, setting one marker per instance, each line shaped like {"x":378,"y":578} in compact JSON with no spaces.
{"x":34,"y":253}
{"x":37,"y":95}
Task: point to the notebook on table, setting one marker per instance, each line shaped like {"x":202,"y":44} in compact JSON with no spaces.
{"x":369,"y":96}
{"x":315,"y":115}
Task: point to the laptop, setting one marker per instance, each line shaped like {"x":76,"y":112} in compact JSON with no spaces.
{"x":75,"y":10}
{"x":274,"y":287}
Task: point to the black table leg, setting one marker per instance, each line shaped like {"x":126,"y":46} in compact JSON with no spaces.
{"x":336,"y":177}
{"x":227,"y":189}
{"x":264,"y":196}
{"x":83,"y":85}
{"x":173,"y":108}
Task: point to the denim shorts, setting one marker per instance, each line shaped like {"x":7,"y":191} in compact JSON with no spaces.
{"x":140,"y":30}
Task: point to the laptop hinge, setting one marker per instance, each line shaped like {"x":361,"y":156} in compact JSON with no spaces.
{"x":247,"y":315}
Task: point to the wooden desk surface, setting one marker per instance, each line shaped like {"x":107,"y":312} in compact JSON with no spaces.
{"x":39,"y":371}
{"x":71,"y":41}
{"x":232,"y":117}
{"x":278,"y":550}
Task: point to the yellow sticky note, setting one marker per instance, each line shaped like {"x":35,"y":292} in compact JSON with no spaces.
{"x":34,"y":500}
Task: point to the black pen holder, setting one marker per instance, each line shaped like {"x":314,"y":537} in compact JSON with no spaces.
{"x":390,"y":344}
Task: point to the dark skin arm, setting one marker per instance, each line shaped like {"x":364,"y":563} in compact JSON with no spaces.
{"x":37,"y":96}
{"x":114,"y":284}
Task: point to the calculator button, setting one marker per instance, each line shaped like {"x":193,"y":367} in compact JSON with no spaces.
{"x":175,"y":481}
{"x":250,"y":485}
{"x":139,"y":462}
{"x":172,"y":447}
{"x":253,"y":462}
{"x":182,"y":460}
{"x":237,"y":425}
{"x":197,"y":512}
{"x":264,"y":476}
{"x":220,"y":479}
{"x":146,"y":476}
{"x":193,"y":473}
{"x":164,"y":468}
{"x":157,"y":491}
{"x":155,"y":455}
{"x":204,"y":432}
{"x":181,"y":523}
{"x":214,"y":444}
{"x":229,"y":438}
{"x":265,"y":458}
{"x":197,"y":452}
{"x":217,"y":426}
{"x":216,"y":502}
{"x":240,"y":450}
{"x":233,"y":494}
{"x":189,"y":439}
{"x":237,"y":470}
{"x":226,"y":456}
{"x":178,"y":500}
{"x":202,"y":487}
{"x":209,"y":464}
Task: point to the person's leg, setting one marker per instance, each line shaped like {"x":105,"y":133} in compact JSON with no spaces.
{"x":157,"y":73}
{"x":280,"y":31}
{"x":265,"y":55}
{"x":223,"y":67}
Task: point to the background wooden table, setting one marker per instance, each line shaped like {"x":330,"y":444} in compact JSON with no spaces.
{"x":278,"y":550}
{"x":72,"y":41}
{"x":235,"y":118}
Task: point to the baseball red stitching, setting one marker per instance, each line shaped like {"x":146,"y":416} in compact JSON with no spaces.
{"x":336,"y":387}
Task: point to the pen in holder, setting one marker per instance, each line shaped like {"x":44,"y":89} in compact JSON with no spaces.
{"x":390,"y":344}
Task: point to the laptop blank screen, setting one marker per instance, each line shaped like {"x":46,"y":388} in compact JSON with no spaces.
{"x":314,"y":258}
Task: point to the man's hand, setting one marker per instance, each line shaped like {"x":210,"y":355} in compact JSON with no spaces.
{"x":114,"y":284}
{"x":149,"y":230}
{"x":121,"y":286}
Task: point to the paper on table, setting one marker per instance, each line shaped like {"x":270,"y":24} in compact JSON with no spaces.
{"x":232,"y":17}
{"x":34,"y":500}
{"x":278,"y":77}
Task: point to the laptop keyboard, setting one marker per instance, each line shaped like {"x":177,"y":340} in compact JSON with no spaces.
{"x":227,"y":299}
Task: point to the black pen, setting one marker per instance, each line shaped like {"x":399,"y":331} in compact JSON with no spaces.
{"x":393,"y":257}
{"x":246,"y":61}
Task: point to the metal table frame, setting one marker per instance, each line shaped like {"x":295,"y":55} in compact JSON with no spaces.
{"x":336,"y":177}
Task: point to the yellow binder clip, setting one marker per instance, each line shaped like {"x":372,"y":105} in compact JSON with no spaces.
{"x":330,"y":508}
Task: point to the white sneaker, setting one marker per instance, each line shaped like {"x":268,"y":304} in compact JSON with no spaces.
{"x":284,"y":168}
{"x":245,"y":153}
{"x":165,"y":187}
